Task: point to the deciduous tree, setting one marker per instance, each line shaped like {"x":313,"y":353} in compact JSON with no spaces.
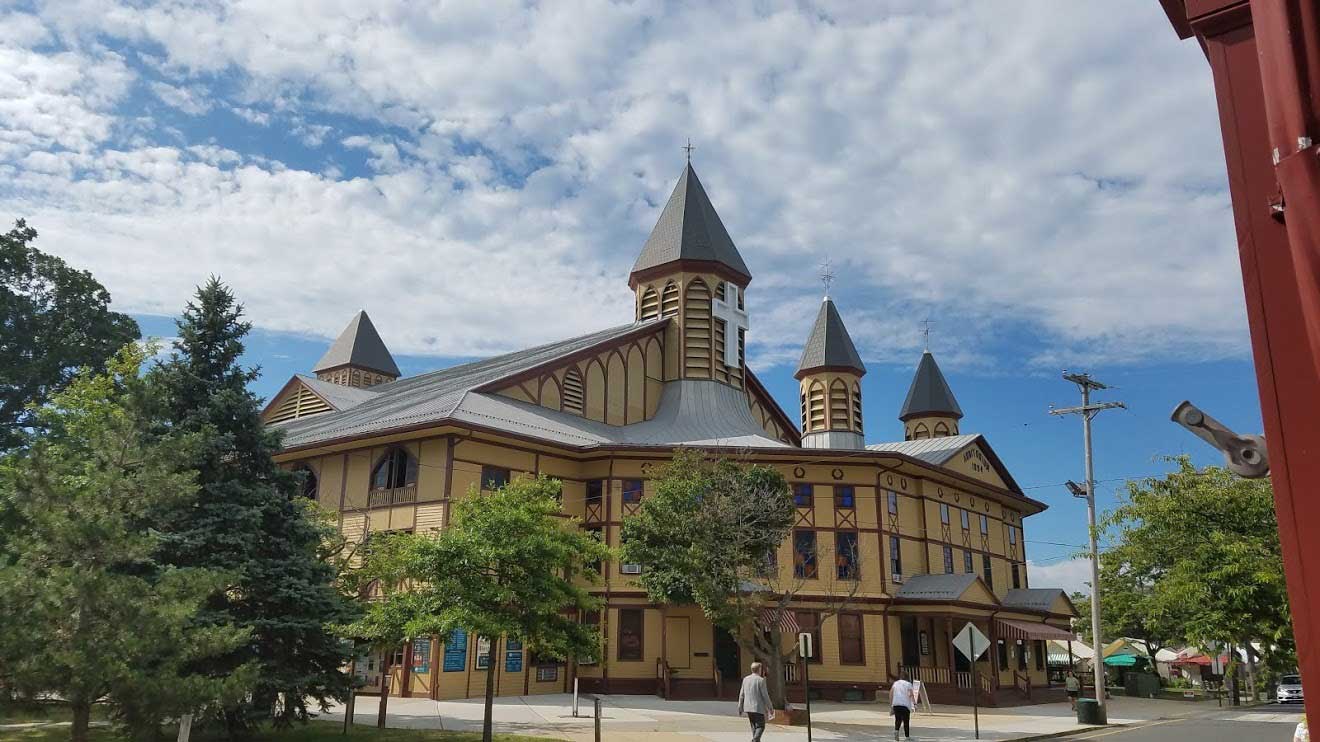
{"x":709,"y":536}
{"x":54,"y":320}
{"x":503,"y":567}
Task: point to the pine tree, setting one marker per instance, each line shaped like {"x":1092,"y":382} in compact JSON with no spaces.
{"x":87,"y":611}
{"x":251,"y":520}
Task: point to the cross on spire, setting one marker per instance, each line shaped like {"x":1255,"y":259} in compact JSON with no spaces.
{"x":688,"y":149}
{"x":926,"y":331}
{"x":826,"y":275}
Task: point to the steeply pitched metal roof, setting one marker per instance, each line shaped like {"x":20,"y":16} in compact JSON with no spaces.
{"x":936,"y":587}
{"x":689,"y":229}
{"x":359,"y":345}
{"x":929,"y":393}
{"x":829,"y":343}
{"x":434,"y":396}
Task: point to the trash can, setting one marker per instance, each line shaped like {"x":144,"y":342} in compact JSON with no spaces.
{"x":1089,"y":711}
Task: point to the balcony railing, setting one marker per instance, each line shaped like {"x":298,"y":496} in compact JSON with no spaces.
{"x":392,"y":496}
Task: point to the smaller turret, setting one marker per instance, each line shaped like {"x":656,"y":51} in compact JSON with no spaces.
{"x":930,"y":411}
{"x":829,"y":376}
{"x":358,"y":357}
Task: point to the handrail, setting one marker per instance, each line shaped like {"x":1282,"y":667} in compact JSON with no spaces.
{"x":719,"y":680}
{"x":392,"y":496}
{"x":662,"y":673}
{"x":1022,"y":683}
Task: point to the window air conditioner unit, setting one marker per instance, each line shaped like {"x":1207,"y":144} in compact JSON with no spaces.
{"x":630,"y":569}
{"x":898,"y":577}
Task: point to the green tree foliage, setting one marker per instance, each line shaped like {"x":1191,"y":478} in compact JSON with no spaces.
{"x":54,"y":320}
{"x":502,"y":568}
{"x":709,"y":536}
{"x":251,"y":520}
{"x":1196,"y":557}
{"x":87,"y":611}
{"x":1130,"y":607}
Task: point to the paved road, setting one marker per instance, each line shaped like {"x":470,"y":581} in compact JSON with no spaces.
{"x":1259,"y":724}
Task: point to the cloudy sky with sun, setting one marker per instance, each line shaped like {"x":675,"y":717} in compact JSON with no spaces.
{"x":1044,"y":180}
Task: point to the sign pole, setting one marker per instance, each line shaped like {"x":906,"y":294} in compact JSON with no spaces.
{"x":976,"y":702}
{"x":806,"y":651}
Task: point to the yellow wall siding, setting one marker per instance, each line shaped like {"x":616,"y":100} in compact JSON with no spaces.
{"x":595,"y":390}
{"x":636,"y":379}
{"x":616,"y":390}
{"x":432,"y":455}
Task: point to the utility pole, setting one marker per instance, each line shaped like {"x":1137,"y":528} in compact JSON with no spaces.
{"x":1088,"y":411}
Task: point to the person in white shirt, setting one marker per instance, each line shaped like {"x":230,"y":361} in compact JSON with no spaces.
{"x":901,"y":701}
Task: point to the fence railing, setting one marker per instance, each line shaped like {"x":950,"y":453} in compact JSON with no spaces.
{"x":929,"y":675}
{"x":392,"y":496}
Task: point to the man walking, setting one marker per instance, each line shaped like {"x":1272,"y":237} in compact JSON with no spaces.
{"x":754,"y":700}
{"x":901,"y":701}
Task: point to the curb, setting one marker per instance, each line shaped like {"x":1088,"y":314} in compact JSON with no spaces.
{"x":1069,"y":732}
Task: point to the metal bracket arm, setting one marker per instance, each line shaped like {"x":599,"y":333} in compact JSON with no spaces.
{"x":1245,"y":455}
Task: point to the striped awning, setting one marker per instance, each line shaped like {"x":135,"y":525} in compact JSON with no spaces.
{"x":1010,"y":629}
{"x":787,"y":621}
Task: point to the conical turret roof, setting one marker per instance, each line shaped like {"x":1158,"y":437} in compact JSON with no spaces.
{"x":930,"y":393}
{"x":359,"y":345}
{"x":829,"y":344}
{"x":689,"y":229}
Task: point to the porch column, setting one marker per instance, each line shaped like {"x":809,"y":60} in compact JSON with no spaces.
{"x":994,"y":653}
{"x":949,"y":650}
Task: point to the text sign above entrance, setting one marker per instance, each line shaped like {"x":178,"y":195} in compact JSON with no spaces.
{"x":971,"y":642}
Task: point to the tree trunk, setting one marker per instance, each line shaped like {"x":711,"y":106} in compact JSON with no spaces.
{"x":775,"y":681}
{"x":486,"y":733}
{"x":384,"y":688}
{"x":82,"y":714}
{"x":1251,"y":672}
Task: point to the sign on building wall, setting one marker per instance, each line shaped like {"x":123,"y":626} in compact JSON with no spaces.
{"x":421,"y":655}
{"x":456,"y":651}
{"x":513,"y":658}
{"x":483,"y":653}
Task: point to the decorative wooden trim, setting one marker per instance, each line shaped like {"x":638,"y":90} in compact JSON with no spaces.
{"x":636,"y":278}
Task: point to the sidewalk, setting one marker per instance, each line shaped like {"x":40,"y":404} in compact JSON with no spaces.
{"x":651,"y":719}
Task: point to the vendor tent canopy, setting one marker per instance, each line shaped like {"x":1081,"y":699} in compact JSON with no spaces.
{"x":1121,"y":660}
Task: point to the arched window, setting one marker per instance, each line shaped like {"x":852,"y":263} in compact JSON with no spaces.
{"x":397,"y":468}
{"x":920,"y":431}
{"x":573,"y":393}
{"x":669,"y":300}
{"x":941,"y":429}
{"x":650,"y":304}
{"x":310,"y":484}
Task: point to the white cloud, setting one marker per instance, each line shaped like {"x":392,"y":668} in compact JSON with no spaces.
{"x":1072,"y":575}
{"x":192,"y":101}
{"x":1046,"y":167}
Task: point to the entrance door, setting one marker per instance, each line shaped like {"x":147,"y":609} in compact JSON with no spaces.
{"x":911,"y":646}
{"x":727,"y":662}
{"x":678,"y":642}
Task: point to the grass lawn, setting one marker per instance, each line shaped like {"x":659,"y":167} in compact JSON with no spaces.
{"x":42,"y":711}
{"x":316,"y":731}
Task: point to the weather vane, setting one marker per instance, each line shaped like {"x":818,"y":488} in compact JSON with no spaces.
{"x":926,"y":331}
{"x":688,"y":149}
{"x":826,"y":275}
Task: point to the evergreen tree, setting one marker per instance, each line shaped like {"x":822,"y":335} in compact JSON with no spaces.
{"x":86,"y":610}
{"x":252,"y":520}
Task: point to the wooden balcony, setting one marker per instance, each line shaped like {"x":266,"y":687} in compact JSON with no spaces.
{"x":381,"y":498}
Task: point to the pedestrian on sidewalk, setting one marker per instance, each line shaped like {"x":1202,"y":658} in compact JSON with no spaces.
{"x":1074,"y":688}
{"x":754,"y":700}
{"x":901,"y":701}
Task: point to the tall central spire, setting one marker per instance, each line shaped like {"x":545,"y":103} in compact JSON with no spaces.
{"x":689,"y":230}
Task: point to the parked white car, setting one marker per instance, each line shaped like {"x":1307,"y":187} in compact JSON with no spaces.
{"x":1290,"y":689}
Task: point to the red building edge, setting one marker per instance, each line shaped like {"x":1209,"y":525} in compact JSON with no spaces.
{"x":1265,"y":59}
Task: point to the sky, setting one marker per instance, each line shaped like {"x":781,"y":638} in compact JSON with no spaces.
{"x":1044,"y":181}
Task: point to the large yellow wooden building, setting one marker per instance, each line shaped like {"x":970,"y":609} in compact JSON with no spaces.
{"x":930,"y":528}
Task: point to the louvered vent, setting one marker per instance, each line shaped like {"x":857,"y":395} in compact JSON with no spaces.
{"x":669,"y":301}
{"x":697,"y":331}
{"x":816,"y":407}
{"x":301,"y":404}
{"x":650,"y":304}
{"x":857,"y":408}
{"x":573,"y":392}
{"x":838,"y":406}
